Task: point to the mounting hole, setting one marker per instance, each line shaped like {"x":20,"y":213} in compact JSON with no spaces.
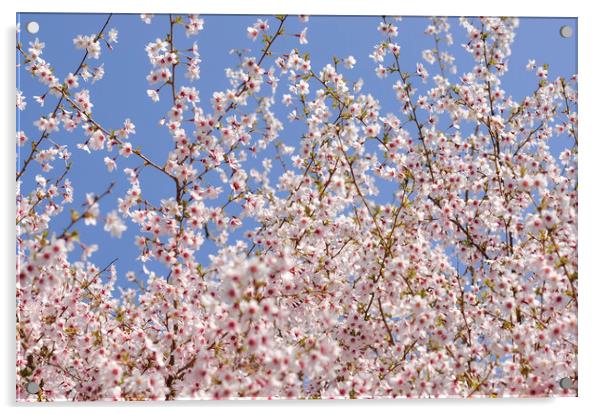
{"x":566,"y":31}
{"x":32,"y":388}
{"x":566,"y":383}
{"x":33,"y":27}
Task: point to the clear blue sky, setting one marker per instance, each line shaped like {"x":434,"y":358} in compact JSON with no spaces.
{"x":122,"y":92}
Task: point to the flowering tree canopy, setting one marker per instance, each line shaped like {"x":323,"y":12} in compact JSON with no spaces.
{"x":461,"y":282}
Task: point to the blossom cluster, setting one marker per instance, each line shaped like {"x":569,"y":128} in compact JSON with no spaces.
{"x":464,"y":284}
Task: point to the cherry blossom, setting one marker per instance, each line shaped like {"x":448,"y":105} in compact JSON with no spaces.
{"x":461,"y":282}
{"x":114,"y":225}
{"x":21,"y":103}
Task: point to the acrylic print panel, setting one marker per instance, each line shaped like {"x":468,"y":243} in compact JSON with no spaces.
{"x":233,"y":207}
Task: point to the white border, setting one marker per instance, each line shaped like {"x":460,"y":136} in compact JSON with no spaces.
{"x":590,"y":209}
{"x":350,"y":7}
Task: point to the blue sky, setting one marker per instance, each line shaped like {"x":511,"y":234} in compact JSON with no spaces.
{"x":122,"y":92}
